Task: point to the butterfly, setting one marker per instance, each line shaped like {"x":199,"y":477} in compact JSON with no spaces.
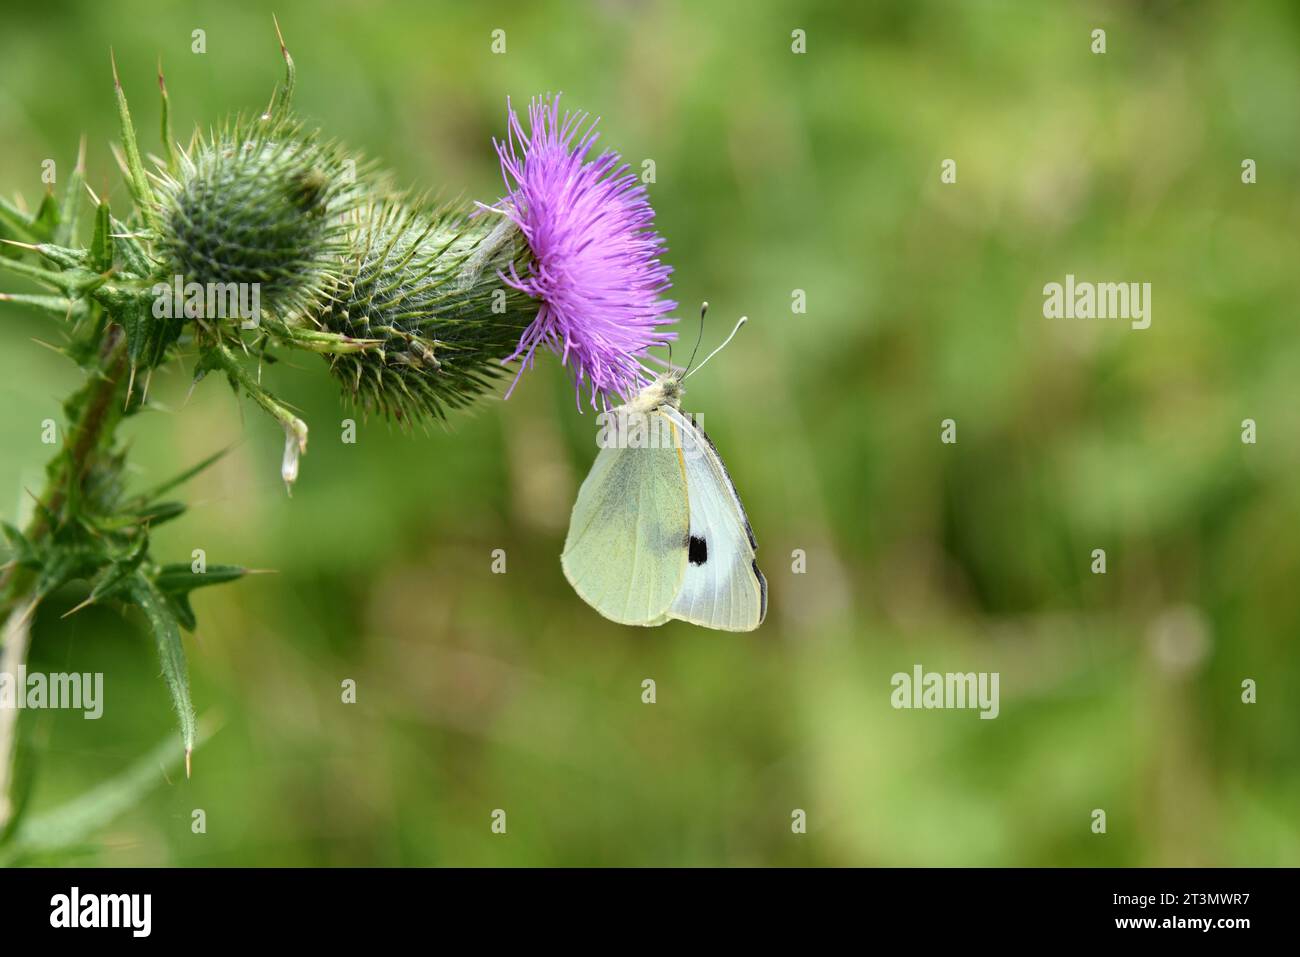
{"x":658,"y":531}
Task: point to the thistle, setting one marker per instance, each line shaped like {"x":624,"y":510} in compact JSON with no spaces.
{"x":417,"y":310}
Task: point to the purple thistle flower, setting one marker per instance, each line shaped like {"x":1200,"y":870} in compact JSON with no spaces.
{"x":596,"y":265}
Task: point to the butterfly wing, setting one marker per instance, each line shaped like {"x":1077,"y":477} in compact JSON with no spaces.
{"x":626,"y":553}
{"x":722,"y":587}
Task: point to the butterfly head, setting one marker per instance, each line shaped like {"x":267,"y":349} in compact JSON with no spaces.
{"x":667,"y":388}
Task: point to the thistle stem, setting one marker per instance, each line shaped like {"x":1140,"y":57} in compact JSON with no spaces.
{"x":329,"y":343}
{"x":14,"y":642}
{"x":98,"y":416}
{"x":295,"y":429}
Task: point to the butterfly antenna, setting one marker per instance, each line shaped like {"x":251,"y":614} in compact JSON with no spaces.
{"x":743,"y":320}
{"x":704,"y":307}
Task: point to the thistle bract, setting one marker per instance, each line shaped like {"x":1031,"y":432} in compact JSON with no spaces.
{"x":259,"y":202}
{"x":419,"y":289}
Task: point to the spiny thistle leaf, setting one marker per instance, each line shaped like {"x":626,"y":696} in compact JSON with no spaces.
{"x":21,"y":551}
{"x":179,"y":479}
{"x":101,"y":243}
{"x":72,"y":198}
{"x":59,"y":306}
{"x":282,"y":96}
{"x":165,"y":124}
{"x":148,"y":338}
{"x":152,"y":514}
{"x":129,"y":249}
{"x":114,"y":579}
{"x":47,"y":218}
{"x":65,"y":283}
{"x":424,"y":286}
{"x":134,"y":168}
{"x":178,"y":580}
{"x":167,"y":634}
{"x":15,"y":223}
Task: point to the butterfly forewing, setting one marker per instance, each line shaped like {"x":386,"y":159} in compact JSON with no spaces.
{"x":626,"y":551}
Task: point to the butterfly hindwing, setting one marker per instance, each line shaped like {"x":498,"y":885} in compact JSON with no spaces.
{"x":722,"y":586}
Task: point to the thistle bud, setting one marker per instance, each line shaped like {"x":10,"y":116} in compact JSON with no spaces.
{"x":260,"y":202}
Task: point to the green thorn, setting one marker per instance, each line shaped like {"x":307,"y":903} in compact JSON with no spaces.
{"x":282,"y":96}
{"x":168,"y":137}
{"x":137,"y":179}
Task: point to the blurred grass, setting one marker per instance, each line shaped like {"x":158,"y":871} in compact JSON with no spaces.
{"x":775,"y":172}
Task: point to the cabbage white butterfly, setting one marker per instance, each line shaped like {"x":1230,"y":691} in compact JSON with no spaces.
{"x":658,"y":531}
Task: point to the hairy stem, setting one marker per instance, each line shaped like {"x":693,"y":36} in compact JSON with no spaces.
{"x":94,"y":424}
{"x":95,"y":421}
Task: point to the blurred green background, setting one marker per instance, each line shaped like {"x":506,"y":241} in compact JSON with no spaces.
{"x":776,"y":172}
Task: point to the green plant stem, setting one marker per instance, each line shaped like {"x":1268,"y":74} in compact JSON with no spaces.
{"x":96,"y":419}
{"x":328,"y":343}
{"x":295,"y":429}
{"x":15,"y":637}
{"x":98,"y":416}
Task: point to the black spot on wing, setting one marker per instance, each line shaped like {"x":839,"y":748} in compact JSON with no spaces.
{"x":697,"y":550}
